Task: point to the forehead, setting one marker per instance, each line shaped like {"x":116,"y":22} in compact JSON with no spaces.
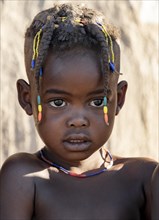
{"x":75,"y":72}
{"x":75,"y":65}
{"x":95,"y":54}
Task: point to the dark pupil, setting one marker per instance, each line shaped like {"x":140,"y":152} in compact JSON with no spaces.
{"x":58,"y":102}
{"x":98,"y":102}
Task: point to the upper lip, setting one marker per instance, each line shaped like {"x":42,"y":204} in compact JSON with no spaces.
{"x":77,"y":137}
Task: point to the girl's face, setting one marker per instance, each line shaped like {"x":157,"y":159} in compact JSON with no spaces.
{"x":72,"y":125}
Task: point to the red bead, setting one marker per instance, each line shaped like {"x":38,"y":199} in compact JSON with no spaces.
{"x":39,"y":116}
{"x":106,"y":119}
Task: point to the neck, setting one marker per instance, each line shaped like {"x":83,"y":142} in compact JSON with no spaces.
{"x":96,"y":161}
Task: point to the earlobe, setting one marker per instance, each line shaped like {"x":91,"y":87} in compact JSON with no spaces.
{"x":24,"y":98}
{"x":121,"y":93}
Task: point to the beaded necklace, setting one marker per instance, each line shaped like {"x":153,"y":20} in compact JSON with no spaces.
{"x":68,"y":172}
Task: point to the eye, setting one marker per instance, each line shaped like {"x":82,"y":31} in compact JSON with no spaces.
{"x":57,"y":103}
{"x":97,"y":103}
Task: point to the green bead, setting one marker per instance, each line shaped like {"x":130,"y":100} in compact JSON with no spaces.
{"x":105,"y":100}
{"x":38,"y":100}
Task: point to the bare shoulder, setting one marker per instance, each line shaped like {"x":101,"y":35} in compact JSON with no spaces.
{"x":139,"y":168}
{"x":156,"y":173}
{"x":20,"y":165}
{"x":17,"y":185}
{"x":142,"y":166}
{"x":19,"y":170}
{"x":20,"y":162}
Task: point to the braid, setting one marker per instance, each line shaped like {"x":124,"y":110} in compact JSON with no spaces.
{"x":104,"y":45}
{"x":98,"y":35}
{"x":64,"y":27}
{"x":47,"y":33}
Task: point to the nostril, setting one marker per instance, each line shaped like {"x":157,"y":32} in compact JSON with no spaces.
{"x":78,"y":122}
{"x":83,"y":125}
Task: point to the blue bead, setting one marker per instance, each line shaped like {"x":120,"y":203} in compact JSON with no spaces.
{"x":105,"y":100}
{"x":98,"y":23}
{"x":38,"y":100}
{"x":41,"y":72}
{"x":112,"y":66}
{"x":33,"y":64}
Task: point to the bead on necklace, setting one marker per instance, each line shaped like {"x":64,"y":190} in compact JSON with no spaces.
{"x":68,"y":172}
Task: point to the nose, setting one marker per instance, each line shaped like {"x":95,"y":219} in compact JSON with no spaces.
{"x":78,"y":121}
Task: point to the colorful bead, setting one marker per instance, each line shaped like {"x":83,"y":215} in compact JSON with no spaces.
{"x":112,"y":66}
{"x":41,"y":72}
{"x":105,"y":100}
{"x":38,"y":100}
{"x":106,"y":119}
{"x":39,"y":116}
{"x":105,"y":109}
{"x":68,"y":172}
{"x":39,"y":108}
{"x":32,"y":64}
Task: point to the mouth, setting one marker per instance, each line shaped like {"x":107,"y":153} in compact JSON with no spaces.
{"x":77,"y":143}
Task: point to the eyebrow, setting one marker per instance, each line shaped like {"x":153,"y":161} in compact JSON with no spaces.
{"x":96,"y":92}
{"x":59,"y":91}
{"x":56,"y":91}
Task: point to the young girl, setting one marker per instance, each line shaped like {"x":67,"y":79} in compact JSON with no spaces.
{"x":72,"y":62}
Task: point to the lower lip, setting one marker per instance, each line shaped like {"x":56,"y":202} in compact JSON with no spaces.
{"x":83,"y":146}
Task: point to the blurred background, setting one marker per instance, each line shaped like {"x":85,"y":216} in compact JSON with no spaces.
{"x":136,"y":128}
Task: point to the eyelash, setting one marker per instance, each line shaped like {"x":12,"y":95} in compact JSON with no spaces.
{"x":60,"y":103}
{"x":54,"y":103}
{"x":98,"y":101}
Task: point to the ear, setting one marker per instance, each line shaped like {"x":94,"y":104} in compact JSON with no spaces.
{"x":24,"y":97}
{"x":121,"y":93}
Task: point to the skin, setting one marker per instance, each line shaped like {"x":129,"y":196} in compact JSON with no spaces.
{"x":34,"y":190}
{"x":155,"y":194}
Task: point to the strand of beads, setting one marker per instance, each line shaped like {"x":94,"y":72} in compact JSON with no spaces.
{"x":105,"y":111}
{"x":39,"y":108}
{"x":36,"y":43}
{"x":111,"y":66}
{"x":68,"y":172}
{"x":107,"y":36}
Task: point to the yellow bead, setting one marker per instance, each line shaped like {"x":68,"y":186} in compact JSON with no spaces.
{"x":39,"y":108}
{"x":105,"y":109}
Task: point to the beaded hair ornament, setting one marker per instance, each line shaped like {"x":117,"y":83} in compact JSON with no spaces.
{"x":36,"y":43}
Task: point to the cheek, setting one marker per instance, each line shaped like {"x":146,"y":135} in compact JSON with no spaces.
{"x":50,"y":132}
{"x":99,"y":130}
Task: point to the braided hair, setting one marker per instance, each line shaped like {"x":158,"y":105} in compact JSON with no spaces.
{"x":62,"y":28}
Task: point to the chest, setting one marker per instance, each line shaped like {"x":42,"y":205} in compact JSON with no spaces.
{"x":104,"y":197}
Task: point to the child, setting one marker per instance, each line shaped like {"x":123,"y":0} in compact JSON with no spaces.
{"x":72,"y":62}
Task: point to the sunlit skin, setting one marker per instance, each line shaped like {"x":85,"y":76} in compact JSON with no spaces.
{"x":80,"y":114}
{"x":74,"y":131}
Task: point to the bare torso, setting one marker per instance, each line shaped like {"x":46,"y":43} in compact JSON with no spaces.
{"x":114,"y":195}
{"x":123,"y":192}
